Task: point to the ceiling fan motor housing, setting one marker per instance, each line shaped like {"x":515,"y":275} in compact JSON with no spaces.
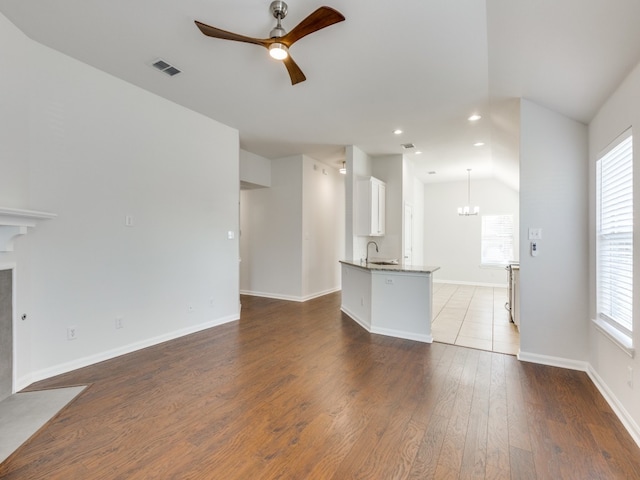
{"x":277,"y":32}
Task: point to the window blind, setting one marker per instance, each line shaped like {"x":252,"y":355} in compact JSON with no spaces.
{"x":497,"y":239}
{"x":614,"y":242}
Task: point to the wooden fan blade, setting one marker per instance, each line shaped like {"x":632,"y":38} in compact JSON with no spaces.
{"x":214,"y":32}
{"x":294,"y":71}
{"x":321,"y":18}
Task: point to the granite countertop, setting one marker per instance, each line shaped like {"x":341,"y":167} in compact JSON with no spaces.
{"x":391,"y":268}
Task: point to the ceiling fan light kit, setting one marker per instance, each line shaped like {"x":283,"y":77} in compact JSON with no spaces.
{"x":279,"y":40}
{"x":279,"y":51}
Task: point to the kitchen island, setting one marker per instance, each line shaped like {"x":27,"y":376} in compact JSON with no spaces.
{"x":392,"y":300}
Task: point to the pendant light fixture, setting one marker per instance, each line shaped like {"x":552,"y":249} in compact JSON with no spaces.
{"x":467,"y":210}
{"x":343,"y":170}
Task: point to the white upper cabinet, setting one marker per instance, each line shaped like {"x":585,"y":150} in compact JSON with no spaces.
{"x":370,"y":207}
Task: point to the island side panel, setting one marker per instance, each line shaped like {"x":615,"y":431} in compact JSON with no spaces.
{"x":402,"y":305}
{"x":356,"y":295}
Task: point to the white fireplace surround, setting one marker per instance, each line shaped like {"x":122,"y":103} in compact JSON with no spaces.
{"x":15,"y":222}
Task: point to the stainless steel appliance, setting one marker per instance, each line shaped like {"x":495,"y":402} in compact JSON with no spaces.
{"x":512,"y":305}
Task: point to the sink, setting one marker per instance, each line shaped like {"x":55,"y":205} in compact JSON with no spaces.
{"x":384,"y":262}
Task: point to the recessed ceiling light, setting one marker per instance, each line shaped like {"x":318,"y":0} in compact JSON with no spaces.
{"x":478,"y":144}
{"x":397,"y":131}
{"x":474,"y":118}
{"x":418,"y":152}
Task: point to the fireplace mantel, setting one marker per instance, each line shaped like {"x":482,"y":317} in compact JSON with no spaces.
{"x":14,"y":222}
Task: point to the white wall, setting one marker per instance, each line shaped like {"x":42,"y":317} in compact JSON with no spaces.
{"x":452,"y":242}
{"x":93,"y":149}
{"x":323,"y":199}
{"x":272,"y":229}
{"x":359,"y":166}
{"x":413,"y":195}
{"x":293,"y":232}
{"x":418,"y":222}
{"x":389,"y":169}
{"x":401,"y":187}
{"x":14,"y":116}
{"x":553,"y":196}
{"x":610,"y":363}
{"x":14,"y":172}
{"x":255,"y":171}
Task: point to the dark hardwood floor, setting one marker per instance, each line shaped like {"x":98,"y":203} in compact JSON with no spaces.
{"x":299,"y":391}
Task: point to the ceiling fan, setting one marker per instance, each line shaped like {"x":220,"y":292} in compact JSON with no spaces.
{"x":279,"y":40}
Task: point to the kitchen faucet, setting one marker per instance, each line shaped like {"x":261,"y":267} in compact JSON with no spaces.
{"x":367,"y":259}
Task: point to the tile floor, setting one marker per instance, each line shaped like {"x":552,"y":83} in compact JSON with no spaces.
{"x":23,"y":414}
{"x":474,"y":317}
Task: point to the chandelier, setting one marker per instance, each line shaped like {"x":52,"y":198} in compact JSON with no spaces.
{"x":468,"y":210}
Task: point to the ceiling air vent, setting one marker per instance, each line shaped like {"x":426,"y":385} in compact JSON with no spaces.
{"x":407,"y":146}
{"x":165,"y":67}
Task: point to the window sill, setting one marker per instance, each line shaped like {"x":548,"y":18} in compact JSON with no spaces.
{"x":617,"y":337}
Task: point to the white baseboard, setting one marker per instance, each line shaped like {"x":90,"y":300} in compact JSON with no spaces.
{"x":49,"y":372}
{"x":472,"y":284}
{"x":388,"y":331}
{"x":402,"y":334}
{"x":621,"y":412}
{"x":553,"y":361}
{"x":355,"y":318}
{"x":275,"y":296}
{"x":290,"y":298}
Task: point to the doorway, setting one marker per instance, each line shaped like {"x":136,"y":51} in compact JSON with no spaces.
{"x":475,"y":317}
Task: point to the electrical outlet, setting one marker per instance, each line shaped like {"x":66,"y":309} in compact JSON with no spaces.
{"x":388,"y":281}
{"x":72,"y":333}
{"x":190,"y":309}
{"x":630,"y":376}
{"x":119,"y":323}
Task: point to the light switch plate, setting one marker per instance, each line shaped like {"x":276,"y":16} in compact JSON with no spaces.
{"x":535,"y":234}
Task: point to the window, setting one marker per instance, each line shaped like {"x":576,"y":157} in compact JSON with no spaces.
{"x":497,"y":239}
{"x":614,"y":234}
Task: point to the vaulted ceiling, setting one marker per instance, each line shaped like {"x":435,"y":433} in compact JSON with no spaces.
{"x":419,"y":65}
